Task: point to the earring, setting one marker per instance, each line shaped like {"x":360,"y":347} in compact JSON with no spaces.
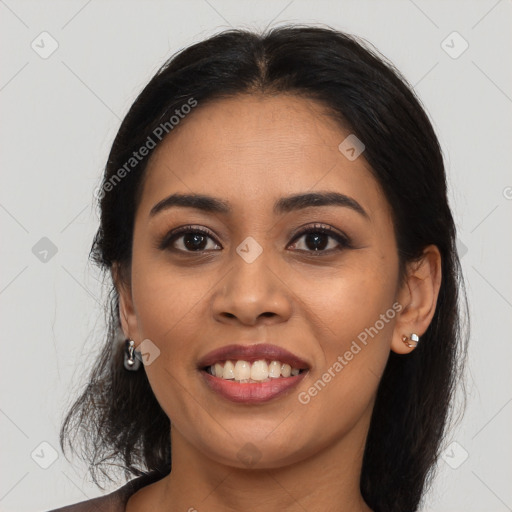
{"x":414,"y":339}
{"x":131,"y":361}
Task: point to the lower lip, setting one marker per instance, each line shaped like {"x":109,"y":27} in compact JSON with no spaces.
{"x":251,"y":392}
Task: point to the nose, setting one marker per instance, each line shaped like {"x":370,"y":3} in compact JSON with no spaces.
{"x":252,"y":293}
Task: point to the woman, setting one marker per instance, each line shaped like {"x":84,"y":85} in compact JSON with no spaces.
{"x":285,"y":302}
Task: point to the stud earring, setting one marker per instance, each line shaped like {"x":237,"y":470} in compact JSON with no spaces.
{"x":131,"y":361}
{"x":414,"y":338}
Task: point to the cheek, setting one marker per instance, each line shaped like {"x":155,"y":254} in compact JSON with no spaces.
{"x":169,"y":305}
{"x":345,"y":303}
{"x":353,"y":324}
{"x":355,"y":349}
{"x":168,"y":300}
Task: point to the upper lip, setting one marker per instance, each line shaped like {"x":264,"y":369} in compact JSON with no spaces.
{"x":251,"y":353}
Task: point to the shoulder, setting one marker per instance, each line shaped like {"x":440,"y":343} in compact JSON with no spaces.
{"x":115,"y":501}
{"x":108,"y":503}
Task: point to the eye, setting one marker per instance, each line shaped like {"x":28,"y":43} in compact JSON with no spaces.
{"x":188,"y":239}
{"x":319,"y":239}
{"x":316,"y":240}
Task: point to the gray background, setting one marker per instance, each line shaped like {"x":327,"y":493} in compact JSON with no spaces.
{"x":59,"y":117}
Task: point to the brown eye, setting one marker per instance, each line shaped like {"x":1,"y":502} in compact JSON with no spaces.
{"x":188,"y":239}
{"x":320,"y":239}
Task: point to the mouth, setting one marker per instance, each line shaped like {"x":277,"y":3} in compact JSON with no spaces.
{"x":253,"y":373}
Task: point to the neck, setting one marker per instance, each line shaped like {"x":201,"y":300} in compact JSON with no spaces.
{"x":326,"y":481}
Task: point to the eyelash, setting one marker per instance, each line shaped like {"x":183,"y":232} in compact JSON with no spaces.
{"x":343,"y":240}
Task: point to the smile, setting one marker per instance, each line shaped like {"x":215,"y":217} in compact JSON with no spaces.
{"x":253,"y":373}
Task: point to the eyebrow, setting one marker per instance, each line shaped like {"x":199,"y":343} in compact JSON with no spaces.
{"x":283,"y":205}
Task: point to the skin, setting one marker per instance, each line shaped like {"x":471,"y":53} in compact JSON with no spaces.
{"x":251,"y":150}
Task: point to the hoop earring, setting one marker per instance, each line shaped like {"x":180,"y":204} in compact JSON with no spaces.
{"x":414,"y":339}
{"x":131,"y":361}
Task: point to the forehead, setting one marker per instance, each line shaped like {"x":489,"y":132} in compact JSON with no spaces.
{"x":253,"y":149}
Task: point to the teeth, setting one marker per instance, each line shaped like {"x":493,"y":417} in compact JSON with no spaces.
{"x":228,"y":372}
{"x":274,"y":369}
{"x":259,"y":371}
{"x":242,"y":370}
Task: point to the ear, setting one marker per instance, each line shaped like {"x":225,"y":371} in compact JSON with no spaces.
{"x":418,"y":298}
{"x":127,"y":314}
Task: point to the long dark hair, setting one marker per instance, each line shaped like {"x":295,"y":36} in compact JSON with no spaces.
{"x":117,"y":418}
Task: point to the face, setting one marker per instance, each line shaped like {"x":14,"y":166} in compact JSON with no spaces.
{"x":255,"y":275}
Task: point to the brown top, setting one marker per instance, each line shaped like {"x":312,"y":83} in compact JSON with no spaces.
{"x":115,"y":501}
